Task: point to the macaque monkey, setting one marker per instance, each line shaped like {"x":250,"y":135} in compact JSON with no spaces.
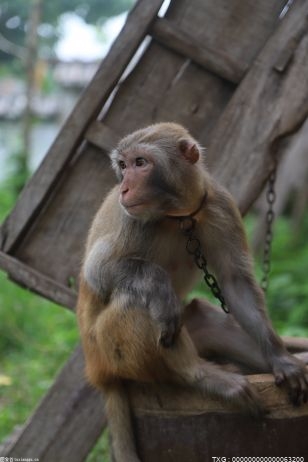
{"x":137,"y":272}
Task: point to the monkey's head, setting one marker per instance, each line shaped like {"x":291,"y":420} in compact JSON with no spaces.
{"x":160,"y":170}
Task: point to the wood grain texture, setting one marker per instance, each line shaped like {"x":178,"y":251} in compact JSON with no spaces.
{"x":31,"y":279}
{"x":235,"y":29}
{"x":56,"y":244}
{"x":47,"y":229}
{"x":179,"y":40}
{"x":102,"y":136}
{"x":177,"y":425}
{"x":268,"y":106}
{"x":66,"y":423}
{"x":87,"y":108}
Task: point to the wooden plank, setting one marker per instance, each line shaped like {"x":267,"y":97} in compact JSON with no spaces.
{"x":179,"y":40}
{"x":165,"y":86}
{"x":35,"y":281}
{"x":56,"y":243}
{"x":176,"y":424}
{"x":161,"y":399}
{"x":162,"y":86}
{"x":268,"y":106}
{"x":237,"y":29}
{"x":296,"y":344}
{"x":87,"y":108}
{"x":67,"y":422}
{"x":101,"y":136}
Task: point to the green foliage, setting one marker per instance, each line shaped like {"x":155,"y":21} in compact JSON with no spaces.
{"x":36,"y":337}
{"x":288,"y":285}
{"x":31,"y":331}
{"x":288,"y":289}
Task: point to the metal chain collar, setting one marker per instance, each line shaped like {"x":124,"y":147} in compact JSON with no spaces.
{"x":193,"y":247}
{"x":270,"y":217}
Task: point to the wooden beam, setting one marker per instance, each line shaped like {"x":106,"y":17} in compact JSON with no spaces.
{"x":101,"y":136}
{"x":37,"y":282}
{"x":270,"y":103}
{"x":66,"y":424}
{"x":162,"y":399}
{"x":183,"y":425}
{"x":176,"y":39}
{"x":88,"y":107}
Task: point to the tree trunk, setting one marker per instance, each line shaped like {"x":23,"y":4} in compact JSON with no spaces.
{"x":22,"y":158}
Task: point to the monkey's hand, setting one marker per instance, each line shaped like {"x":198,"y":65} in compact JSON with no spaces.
{"x":291,"y":371}
{"x":166,"y":310}
{"x":234,"y":388}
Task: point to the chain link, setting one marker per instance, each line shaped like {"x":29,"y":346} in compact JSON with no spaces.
{"x":193,"y":247}
{"x":270,"y":217}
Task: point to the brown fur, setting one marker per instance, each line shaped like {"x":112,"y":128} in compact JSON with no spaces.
{"x":126,"y":324}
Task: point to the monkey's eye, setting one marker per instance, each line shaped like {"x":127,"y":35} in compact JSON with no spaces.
{"x":141,"y":162}
{"x":122,"y":165}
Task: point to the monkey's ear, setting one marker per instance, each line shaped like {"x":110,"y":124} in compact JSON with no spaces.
{"x":189,"y":149}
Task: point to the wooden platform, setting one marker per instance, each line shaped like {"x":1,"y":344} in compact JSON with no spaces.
{"x":181,"y":426}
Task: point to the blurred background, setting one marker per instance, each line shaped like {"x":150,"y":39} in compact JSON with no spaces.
{"x":49,"y":51}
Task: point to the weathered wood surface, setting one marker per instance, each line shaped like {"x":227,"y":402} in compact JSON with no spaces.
{"x":66,"y":423}
{"x":31,"y":279}
{"x":56,"y":245}
{"x":179,"y":40}
{"x":164,"y":85}
{"x":270,"y":103}
{"x":54,"y":212}
{"x":236,"y":29}
{"x":87,"y":108}
{"x":183,"y":426}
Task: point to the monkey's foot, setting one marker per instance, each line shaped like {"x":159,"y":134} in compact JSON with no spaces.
{"x":240,"y":392}
{"x":290,"y":371}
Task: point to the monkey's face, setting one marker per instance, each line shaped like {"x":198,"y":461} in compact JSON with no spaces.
{"x":144,"y":192}
{"x":157,"y":170}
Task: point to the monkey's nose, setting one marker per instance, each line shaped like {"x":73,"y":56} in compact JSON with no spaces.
{"x":124,"y":191}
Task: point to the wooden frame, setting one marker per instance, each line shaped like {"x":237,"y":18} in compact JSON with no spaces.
{"x":198,"y":71}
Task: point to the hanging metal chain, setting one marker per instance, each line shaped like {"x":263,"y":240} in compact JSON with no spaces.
{"x":270,"y":217}
{"x":193,"y":247}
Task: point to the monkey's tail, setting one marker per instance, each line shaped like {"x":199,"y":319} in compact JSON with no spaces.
{"x":119,"y":422}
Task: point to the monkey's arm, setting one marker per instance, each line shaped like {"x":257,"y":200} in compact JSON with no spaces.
{"x":134,"y":282}
{"x":230,"y":259}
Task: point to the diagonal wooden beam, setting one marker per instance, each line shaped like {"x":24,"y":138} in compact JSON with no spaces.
{"x":270,"y":103}
{"x":173,"y":37}
{"x":35,"y":281}
{"x":67,"y":422}
{"x":88,"y":107}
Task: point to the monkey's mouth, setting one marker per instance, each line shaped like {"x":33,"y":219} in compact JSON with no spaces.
{"x":134,"y":209}
{"x":133,"y":206}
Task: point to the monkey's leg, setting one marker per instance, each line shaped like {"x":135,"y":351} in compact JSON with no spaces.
{"x":186,"y":367}
{"x":127,"y":341}
{"x":217,"y":334}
